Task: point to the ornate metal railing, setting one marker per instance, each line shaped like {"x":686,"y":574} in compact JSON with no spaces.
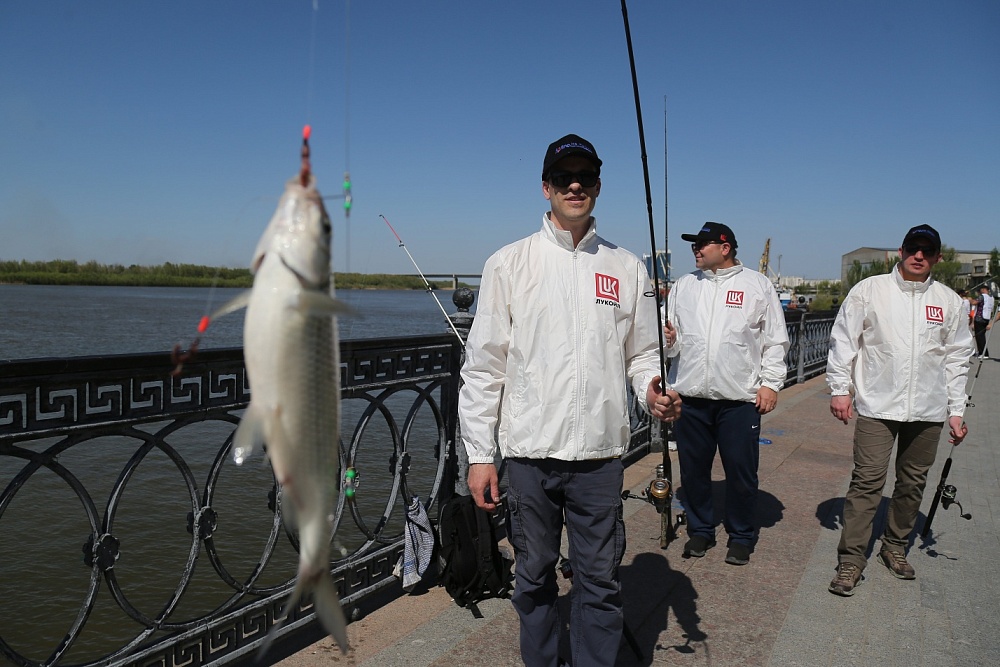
{"x":399,"y":395}
{"x":809,"y":342}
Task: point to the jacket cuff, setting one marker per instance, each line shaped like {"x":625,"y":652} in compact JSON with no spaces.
{"x":480,"y":459}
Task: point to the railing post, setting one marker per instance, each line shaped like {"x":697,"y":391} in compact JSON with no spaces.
{"x":801,"y":372}
{"x":463,"y":298}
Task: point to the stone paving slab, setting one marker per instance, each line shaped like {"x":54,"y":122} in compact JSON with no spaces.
{"x":776,"y":610}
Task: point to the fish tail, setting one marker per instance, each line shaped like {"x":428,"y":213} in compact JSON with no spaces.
{"x":272,"y":634}
{"x":330,"y":613}
{"x":328,"y":609}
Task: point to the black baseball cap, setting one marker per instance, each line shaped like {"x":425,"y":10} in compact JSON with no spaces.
{"x":571,"y":144}
{"x":926,"y":234}
{"x":712,"y":231}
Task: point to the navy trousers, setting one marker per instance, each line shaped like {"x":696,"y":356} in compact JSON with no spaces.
{"x":540,"y":493}
{"x":732,"y":428}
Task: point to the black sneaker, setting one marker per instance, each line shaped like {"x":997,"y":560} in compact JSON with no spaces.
{"x":739,"y":554}
{"x":697,"y":546}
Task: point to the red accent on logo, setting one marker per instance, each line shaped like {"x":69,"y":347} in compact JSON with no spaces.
{"x":734,"y":298}
{"x":722,"y":237}
{"x":607,"y":287}
{"x":935,"y":314}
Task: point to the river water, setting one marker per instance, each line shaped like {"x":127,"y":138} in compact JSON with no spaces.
{"x":42,"y":579}
{"x":69,"y":321}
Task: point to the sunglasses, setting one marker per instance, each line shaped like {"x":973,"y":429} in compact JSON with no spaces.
{"x":698,"y":245}
{"x":914,"y":248}
{"x":564,"y":179}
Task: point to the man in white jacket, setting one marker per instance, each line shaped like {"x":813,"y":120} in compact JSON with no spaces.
{"x":901,"y":345}
{"x":727,"y":338}
{"x":565,"y":320}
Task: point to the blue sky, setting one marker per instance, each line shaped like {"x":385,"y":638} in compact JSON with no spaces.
{"x":144,"y":132}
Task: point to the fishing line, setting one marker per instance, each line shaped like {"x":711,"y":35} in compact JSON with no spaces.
{"x":666,"y":216}
{"x":427,"y":285}
{"x":348,"y":196}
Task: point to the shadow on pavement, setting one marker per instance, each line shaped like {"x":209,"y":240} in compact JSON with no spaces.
{"x":649,"y":581}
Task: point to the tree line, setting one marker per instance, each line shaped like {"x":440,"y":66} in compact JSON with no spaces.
{"x":71,"y":272}
{"x":946,"y":271}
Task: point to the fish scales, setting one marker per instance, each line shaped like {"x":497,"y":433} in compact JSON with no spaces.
{"x":292,"y":360}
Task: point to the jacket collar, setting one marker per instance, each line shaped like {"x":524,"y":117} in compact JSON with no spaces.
{"x":723,"y":274}
{"x":910,"y":285}
{"x":563,"y":238}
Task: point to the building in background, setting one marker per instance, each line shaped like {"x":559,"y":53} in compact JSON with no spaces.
{"x":974,"y":269}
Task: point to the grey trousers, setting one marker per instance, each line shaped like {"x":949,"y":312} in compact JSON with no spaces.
{"x":541,"y":492}
{"x":873,"y":440}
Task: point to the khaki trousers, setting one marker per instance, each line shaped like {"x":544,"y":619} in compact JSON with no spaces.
{"x":873,"y":440}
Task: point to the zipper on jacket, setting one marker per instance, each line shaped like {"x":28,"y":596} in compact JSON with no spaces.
{"x":709,"y":339}
{"x":578,"y":334}
{"x":913,"y":348}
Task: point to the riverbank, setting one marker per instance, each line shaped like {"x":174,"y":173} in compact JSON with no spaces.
{"x":70,"y":272}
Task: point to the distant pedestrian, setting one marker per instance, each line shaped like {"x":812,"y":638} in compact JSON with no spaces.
{"x":564,"y":320}
{"x":726,"y":335}
{"x":902,"y":346}
{"x":984,"y":313}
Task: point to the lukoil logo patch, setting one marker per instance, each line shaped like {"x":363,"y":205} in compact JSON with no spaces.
{"x":607,"y":290}
{"x":935,"y":314}
{"x":734,"y":298}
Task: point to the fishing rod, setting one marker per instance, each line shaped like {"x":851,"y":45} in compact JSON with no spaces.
{"x":946,"y":494}
{"x":660,"y":491}
{"x":427,"y":285}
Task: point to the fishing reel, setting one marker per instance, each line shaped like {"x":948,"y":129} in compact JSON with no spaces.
{"x":659,"y":493}
{"x":948,"y":497}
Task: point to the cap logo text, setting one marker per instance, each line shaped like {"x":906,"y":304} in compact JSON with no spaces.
{"x":572,"y":145}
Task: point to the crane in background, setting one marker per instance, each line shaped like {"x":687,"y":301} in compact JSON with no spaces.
{"x":784,"y":295}
{"x":765,"y":265}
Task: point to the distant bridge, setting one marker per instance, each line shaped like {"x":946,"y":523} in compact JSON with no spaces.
{"x":452,"y":276}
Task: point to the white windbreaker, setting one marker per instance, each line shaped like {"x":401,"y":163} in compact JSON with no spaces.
{"x":902,"y":348}
{"x":731,"y":335}
{"x":560,"y":332}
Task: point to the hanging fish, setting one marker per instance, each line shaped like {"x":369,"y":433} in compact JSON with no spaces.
{"x":291,"y":352}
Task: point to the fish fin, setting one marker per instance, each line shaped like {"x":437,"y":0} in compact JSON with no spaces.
{"x":320,"y":304}
{"x":249,"y":433}
{"x":278,"y":443}
{"x":329,"y":611}
{"x":238,"y":302}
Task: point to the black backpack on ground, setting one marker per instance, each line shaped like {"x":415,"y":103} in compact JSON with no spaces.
{"x":472,"y":568}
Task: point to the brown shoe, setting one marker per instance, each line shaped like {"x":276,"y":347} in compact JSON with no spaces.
{"x":848,"y":578}
{"x":896,"y":562}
